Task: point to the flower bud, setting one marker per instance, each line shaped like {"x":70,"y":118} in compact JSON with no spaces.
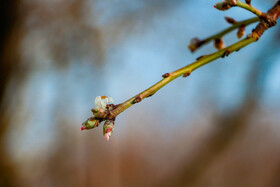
{"x":230,"y":20}
{"x":241,"y":32}
{"x":90,"y":123}
{"x":219,"y":43}
{"x":223,"y":5}
{"x":108,"y":128}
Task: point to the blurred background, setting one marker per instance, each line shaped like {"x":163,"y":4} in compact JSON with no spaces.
{"x":219,"y":127}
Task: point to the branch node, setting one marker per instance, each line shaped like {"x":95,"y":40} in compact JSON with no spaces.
{"x":200,"y":57}
{"x":248,"y":2}
{"x":187,"y":74}
{"x":138,"y":99}
{"x":227,"y":52}
{"x":150,"y":95}
{"x":166,"y":75}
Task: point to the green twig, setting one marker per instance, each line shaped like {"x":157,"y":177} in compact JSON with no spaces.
{"x":250,"y":8}
{"x":187,"y":70}
{"x":196,"y":45}
{"x":233,"y":27}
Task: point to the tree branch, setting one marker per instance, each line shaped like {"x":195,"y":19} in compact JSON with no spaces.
{"x":250,"y":8}
{"x":109,"y":112}
{"x":185,"y":71}
{"x":267,"y":20}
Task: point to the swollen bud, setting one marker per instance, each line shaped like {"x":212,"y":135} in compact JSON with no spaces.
{"x":108,"y":128}
{"x":223,"y":5}
{"x":241,"y":32}
{"x":90,"y":123}
{"x":219,"y":43}
{"x":230,"y":20}
{"x":195,"y":44}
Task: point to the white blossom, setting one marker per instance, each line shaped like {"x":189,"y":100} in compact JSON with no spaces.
{"x":101,"y":102}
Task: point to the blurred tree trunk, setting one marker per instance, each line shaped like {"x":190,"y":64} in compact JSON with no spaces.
{"x":8,"y":63}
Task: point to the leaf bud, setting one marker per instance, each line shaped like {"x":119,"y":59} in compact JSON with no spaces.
{"x":223,"y":5}
{"x":90,"y":123}
{"x":230,"y":20}
{"x":108,"y":128}
{"x":241,"y":32}
{"x":219,"y":43}
{"x":195,"y":44}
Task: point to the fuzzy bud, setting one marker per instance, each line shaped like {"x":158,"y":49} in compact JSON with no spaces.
{"x":108,"y":128}
{"x":223,"y":5}
{"x":241,"y":32}
{"x":195,"y":44}
{"x":230,"y":20}
{"x":219,"y":43}
{"x":90,"y":123}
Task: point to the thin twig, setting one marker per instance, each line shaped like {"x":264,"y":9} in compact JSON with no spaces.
{"x":250,"y":8}
{"x":196,"y":45}
{"x":187,"y":70}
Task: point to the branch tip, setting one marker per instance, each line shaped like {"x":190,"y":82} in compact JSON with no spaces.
{"x":227,"y":52}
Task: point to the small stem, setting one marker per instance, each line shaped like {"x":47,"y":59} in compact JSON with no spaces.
{"x":185,"y":70}
{"x":224,"y":32}
{"x":233,"y":27}
{"x":250,"y":8}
